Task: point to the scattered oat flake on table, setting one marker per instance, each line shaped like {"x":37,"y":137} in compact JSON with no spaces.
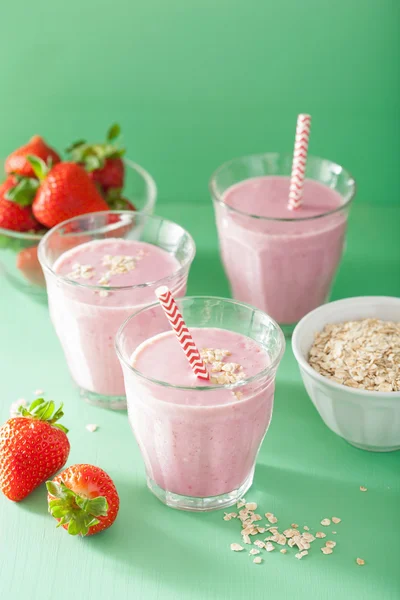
{"x":289,"y":533}
{"x":300,"y":555}
{"x":326,"y":550}
{"x":327,"y":522}
{"x":257,"y":560}
{"x":246,"y":538}
{"x":363,"y":489}
{"x":283,"y":551}
{"x":336,"y":520}
{"x":236,"y":547}
{"x":334,"y":532}
{"x":261,"y":529}
{"x":321,"y":534}
{"x":330,"y":544}
{"x":360,"y":561}
{"x":259,"y":543}
{"x":251,"y":506}
{"x":308,"y":537}
{"x":299,"y":542}
{"x":271,"y":517}
{"x":269,"y":547}
{"x":229,"y":516}
{"x":91,"y":427}
{"x":306,"y":528}
{"x":254,"y":551}
{"x":281,"y":539}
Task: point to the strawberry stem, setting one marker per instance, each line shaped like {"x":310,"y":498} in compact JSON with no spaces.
{"x":39,"y":166}
{"x":42,"y":410}
{"x":24,"y":191}
{"x":113,"y":132}
{"x":70,"y":508}
{"x":94,"y":156}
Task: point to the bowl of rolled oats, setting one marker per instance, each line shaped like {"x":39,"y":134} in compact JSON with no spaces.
{"x":348,"y":352}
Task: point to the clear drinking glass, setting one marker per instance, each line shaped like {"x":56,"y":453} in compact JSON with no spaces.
{"x":86,"y":317}
{"x":18,"y":251}
{"x":283,"y":266}
{"x":200,"y":444}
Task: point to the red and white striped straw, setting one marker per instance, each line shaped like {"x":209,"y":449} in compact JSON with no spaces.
{"x":299,"y":162}
{"x":182,"y":332}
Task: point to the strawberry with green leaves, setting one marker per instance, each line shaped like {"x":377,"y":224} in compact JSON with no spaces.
{"x":83,"y":499}
{"x":16,"y":195}
{"x":102,"y":161}
{"x":64,"y":191}
{"x":33,"y":446}
{"x":18,"y":163}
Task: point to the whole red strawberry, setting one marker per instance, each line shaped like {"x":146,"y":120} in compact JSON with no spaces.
{"x":33,"y":447}
{"x":83,"y":499}
{"x":111,"y":175}
{"x":65,"y":191}
{"x":15,"y":212}
{"x":17,"y":161}
{"x":103,"y":161}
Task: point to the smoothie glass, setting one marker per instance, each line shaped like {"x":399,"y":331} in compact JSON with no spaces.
{"x":86,"y":317}
{"x":284,"y":266}
{"x":200,"y":444}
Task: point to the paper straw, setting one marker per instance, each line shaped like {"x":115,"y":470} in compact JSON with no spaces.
{"x":299,"y":162}
{"x":182,"y":332}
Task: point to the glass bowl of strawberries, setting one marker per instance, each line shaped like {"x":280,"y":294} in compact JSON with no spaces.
{"x":41,"y":190}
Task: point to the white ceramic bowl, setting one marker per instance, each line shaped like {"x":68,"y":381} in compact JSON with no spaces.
{"x":367,"y":420}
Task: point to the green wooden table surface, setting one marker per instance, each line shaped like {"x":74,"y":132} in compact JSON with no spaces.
{"x":304,"y":472}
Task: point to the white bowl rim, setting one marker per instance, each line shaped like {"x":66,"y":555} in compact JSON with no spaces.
{"x":307,"y":320}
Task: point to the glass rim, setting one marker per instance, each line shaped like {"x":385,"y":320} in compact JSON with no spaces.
{"x":219,"y":197}
{"x":231,"y":386}
{"x":163,"y":281}
{"x":150,"y":202}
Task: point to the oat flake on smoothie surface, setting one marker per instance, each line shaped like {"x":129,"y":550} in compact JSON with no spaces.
{"x":361,"y":354}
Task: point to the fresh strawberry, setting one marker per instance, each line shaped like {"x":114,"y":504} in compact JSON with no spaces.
{"x":111,"y":175}
{"x":29,"y":265}
{"x":33,"y":447}
{"x":15,"y":212}
{"x":17,"y":161}
{"x":83,"y":499}
{"x":102,"y":161}
{"x":65,"y":191}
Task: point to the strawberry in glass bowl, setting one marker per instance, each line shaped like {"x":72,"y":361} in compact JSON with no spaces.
{"x":40,"y":190}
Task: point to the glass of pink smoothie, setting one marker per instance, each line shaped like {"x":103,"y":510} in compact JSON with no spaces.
{"x":199,"y":439}
{"x":281,"y":261}
{"x":99,"y":268}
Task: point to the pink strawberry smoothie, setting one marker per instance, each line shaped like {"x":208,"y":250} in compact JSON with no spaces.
{"x":199,"y":442}
{"x":87,"y":314}
{"x":283,"y":267}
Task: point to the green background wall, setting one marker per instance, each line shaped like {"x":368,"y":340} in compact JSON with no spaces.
{"x":195,"y":82}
